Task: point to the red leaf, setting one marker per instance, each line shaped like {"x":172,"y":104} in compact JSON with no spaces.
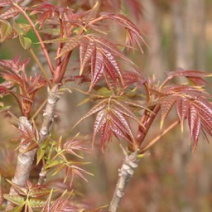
{"x":118,"y":132}
{"x":99,"y":122}
{"x":189,"y":73}
{"x":195,"y":76}
{"x":196,"y":131}
{"x":182,"y":109}
{"x":97,"y":68}
{"x":5,"y":3}
{"x":111,"y":47}
{"x":205,"y":110}
{"x":87,"y":48}
{"x":106,"y":134}
{"x":123,"y":123}
{"x":11,"y":12}
{"x":192,"y":118}
{"x":166,"y":105}
{"x":93,"y":110}
{"x":71,"y":44}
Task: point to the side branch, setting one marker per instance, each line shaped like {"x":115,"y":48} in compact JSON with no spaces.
{"x":48,"y":115}
{"x":25,"y":159}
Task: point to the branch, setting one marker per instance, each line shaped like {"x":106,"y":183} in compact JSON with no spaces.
{"x":42,"y":176}
{"x":146,"y":120}
{"x":131,"y":161}
{"x":25,"y":160}
{"x":125,"y":173}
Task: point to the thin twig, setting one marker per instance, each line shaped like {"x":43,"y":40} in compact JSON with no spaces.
{"x":12,"y":115}
{"x":38,"y":110}
{"x":38,"y":36}
{"x":40,"y":66}
{"x":157,"y":138}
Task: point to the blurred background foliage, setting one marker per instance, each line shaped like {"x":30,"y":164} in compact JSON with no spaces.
{"x":170,"y":177}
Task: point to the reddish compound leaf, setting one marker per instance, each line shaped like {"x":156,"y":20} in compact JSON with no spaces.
{"x":11,"y":12}
{"x":133,"y":32}
{"x":71,"y":146}
{"x":4,"y":3}
{"x":189,"y":73}
{"x":103,"y":43}
{"x":194,"y":76}
{"x":131,"y":77}
{"x":13,"y":72}
{"x":192,"y":103}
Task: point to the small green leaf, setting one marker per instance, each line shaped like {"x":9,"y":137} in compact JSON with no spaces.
{"x":19,"y":189}
{"x":18,"y":208}
{"x":52,"y":32}
{"x":84,"y":101}
{"x":53,"y":163}
{"x":15,"y":199}
{"x":104,"y":92}
{"x":4,"y":108}
{"x":35,"y":203}
{"x":21,"y":28}
{"x":56,"y":40}
{"x":6,"y":30}
{"x":41,"y":192}
{"x":25,"y":42}
{"x":40,"y":155}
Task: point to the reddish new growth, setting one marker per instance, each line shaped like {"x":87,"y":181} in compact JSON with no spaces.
{"x":18,"y":84}
{"x":192,"y":102}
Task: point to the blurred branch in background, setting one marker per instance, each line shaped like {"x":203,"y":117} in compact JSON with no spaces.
{"x":155,"y":60}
